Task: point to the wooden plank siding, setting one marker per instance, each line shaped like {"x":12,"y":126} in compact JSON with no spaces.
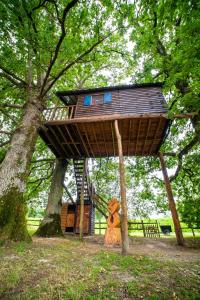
{"x":141,"y":100}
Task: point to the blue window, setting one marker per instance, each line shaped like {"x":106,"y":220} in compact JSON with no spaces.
{"x":87,"y":100}
{"x":107,"y":98}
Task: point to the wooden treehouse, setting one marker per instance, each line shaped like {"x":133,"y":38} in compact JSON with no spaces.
{"x":125,"y":120}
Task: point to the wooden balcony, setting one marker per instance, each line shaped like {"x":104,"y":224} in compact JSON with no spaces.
{"x":59,"y":113}
{"x":71,"y":137}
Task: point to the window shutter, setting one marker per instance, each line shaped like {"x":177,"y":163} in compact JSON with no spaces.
{"x":107,"y":98}
{"x":87,"y":100}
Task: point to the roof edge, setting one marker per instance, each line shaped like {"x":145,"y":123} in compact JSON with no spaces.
{"x":108,"y":88}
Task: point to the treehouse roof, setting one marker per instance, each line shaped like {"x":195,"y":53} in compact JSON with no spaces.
{"x":84,"y":127}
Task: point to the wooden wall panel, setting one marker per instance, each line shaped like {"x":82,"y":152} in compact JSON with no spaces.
{"x":86,"y":219}
{"x":140,"y":100}
{"x":63,"y":216}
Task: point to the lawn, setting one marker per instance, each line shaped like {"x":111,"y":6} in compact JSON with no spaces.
{"x":65,"y":268}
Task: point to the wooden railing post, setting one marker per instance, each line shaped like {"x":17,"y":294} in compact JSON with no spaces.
{"x":124,"y":217}
{"x":172,"y":205}
{"x":82,"y":203}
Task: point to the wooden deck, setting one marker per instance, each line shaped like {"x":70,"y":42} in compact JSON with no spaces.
{"x":142,"y":134}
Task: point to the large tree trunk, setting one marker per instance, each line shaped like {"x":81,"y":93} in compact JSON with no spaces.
{"x":14,"y":172}
{"x":50,"y":225}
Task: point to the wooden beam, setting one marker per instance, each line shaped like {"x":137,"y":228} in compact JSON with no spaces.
{"x":94,"y":133}
{"x":138,"y":132}
{"x":65,"y":140}
{"x":87,"y":138}
{"x":73,"y":142}
{"x":146,"y":137}
{"x":82,"y":203}
{"x":172,"y":205}
{"x":55,"y":146}
{"x":113,"y":138}
{"x":129,"y":136}
{"x":155,"y":135}
{"x":82,"y":141}
{"x":124,"y":215}
{"x":58,"y":141}
{"x":102,"y":130}
{"x":109,"y":118}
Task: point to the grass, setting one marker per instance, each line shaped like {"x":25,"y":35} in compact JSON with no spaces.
{"x":68,"y":269}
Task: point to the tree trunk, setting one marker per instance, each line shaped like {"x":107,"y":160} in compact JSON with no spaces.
{"x":124,"y":217}
{"x":172,"y":205}
{"x":50,"y":225}
{"x":14,"y":172}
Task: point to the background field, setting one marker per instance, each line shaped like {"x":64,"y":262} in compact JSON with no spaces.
{"x":33,"y":224}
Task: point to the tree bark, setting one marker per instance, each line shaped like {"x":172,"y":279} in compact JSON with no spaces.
{"x":124,"y":217}
{"x":14,"y":172}
{"x":51,"y":224}
{"x":172,"y":205}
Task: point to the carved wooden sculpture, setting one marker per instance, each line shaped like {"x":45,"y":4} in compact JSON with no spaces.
{"x":113,"y":232}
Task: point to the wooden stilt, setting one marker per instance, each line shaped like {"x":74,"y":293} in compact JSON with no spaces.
{"x":172,"y":205}
{"x":124,"y":217}
{"x":82,"y":205}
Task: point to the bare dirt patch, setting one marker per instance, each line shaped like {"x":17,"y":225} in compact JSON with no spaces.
{"x":160,"y":248}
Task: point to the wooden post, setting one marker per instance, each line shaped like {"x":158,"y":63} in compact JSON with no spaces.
{"x":124,"y":217}
{"x":99,"y":227}
{"x":193,"y":231}
{"x":82,"y":205}
{"x":172,"y":205}
{"x":143,"y":228}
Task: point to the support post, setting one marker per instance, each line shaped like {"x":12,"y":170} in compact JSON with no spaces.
{"x":82,"y":204}
{"x":143,"y":228}
{"x":124,"y":217}
{"x":172,"y":205}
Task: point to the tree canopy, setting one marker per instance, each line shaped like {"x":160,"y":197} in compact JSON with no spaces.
{"x":50,"y":45}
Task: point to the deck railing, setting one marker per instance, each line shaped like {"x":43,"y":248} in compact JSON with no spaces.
{"x":59,"y":113}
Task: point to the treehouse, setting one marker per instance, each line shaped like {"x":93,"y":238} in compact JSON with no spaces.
{"x":122,"y":120}
{"x":83,"y":126}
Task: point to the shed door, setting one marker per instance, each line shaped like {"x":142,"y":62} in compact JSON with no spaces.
{"x":86,"y":219}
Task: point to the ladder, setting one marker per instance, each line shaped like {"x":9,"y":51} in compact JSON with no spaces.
{"x":82,"y":177}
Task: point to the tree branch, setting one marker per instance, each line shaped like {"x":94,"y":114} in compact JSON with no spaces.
{"x":180,"y":155}
{"x":69,"y":6}
{"x":8,"y":116}
{"x":68,"y":193}
{"x":17,"y":106}
{"x":13,"y":81}
{"x":13,"y":77}
{"x":76,"y":60}
{"x":43,"y":159}
{"x":41,"y":4}
{"x":5,"y":132}
{"x":4,"y":143}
